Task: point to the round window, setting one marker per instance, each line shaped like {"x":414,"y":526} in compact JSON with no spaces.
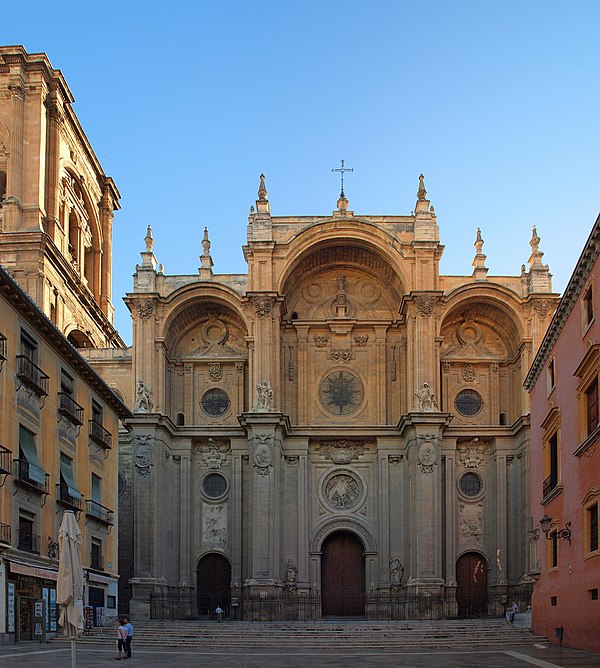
{"x":470,"y":484}
{"x":215,"y":402}
{"x":341,"y":392}
{"x":468,"y":402}
{"x":214,"y":485}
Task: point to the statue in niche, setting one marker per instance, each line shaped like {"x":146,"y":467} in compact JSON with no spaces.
{"x":143,"y":400}
{"x":291,"y":575}
{"x":427,"y":400}
{"x":265,"y":396}
{"x":396,"y":573}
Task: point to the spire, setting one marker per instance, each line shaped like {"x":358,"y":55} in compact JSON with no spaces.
{"x":148,"y":259}
{"x":421,"y":192}
{"x":540,"y":279}
{"x":149,"y":240}
{"x":262,"y":203}
{"x":426,"y":228}
{"x":206,"y":262}
{"x":479,"y":269}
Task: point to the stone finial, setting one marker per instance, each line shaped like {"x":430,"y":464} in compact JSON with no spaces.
{"x":421,"y":193}
{"x":149,"y":240}
{"x":206,"y":262}
{"x":539,"y":277}
{"x":535,"y":240}
{"x":262,"y":189}
{"x":478,"y":241}
{"x":480,"y":270}
{"x":342,"y":204}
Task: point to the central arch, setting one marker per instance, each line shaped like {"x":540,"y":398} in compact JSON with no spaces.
{"x":342,"y":575}
{"x":213,"y":580}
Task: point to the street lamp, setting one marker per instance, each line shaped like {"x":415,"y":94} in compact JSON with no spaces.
{"x":565,"y":533}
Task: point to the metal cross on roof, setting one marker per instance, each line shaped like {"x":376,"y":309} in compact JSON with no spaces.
{"x":341,"y":170}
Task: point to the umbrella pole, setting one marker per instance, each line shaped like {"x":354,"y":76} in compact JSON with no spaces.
{"x":73,"y":654}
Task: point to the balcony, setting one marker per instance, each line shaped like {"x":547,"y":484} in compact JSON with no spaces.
{"x":65,"y":499}
{"x":68,"y":407}
{"x":5,"y":534}
{"x":2,"y":349}
{"x":96,"y":562}
{"x":549,"y":484}
{"x":28,"y":542}
{"x":5,"y":454}
{"x":21,"y":473}
{"x":99,"y":512}
{"x":32,"y":376}
{"x":99,"y":435}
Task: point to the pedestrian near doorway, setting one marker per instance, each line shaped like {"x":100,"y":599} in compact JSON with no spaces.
{"x":121,"y":640}
{"x":129,"y":627}
{"x":219,"y":613}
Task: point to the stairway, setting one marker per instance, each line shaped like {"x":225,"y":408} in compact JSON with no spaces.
{"x":324,"y":634}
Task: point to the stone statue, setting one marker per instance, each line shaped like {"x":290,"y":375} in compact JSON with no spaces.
{"x":291,"y":575}
{"x":265,"y":396}
{"x":396,"y":573}
{"x":143,"y":401}
{"x":427,"y":400}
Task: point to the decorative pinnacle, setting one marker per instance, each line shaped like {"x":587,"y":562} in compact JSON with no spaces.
{"x":262,"y":189}
{"x":421,"y":193}
{"x":341,"y":170}
{"x":149,"y":240}
{"x":206,"y":242}
{"x":535,"y":240}
{"x":478,"y":242}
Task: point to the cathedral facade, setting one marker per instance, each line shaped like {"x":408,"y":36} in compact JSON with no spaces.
{"x":340,"y":431}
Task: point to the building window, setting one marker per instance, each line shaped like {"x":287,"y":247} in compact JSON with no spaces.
{"x":468,"y":403}
{"x":591,"y":404}
{"x":96,"y":555}
{"x":593,"y":594}
{"x":96,"y":482}
{"x":587,"y":303}
{"x":2,"y":349}
{"x":553,"y":600}
{"x":28,"y":541}
{"x":214,"y":485}
{"x":553,"y":550}
{"x":28,"y":372}
{"x":470,"y":484}
{"x":551,"y":462}
{"x":67,"y":406}
{"x":587,"y":396}
{"x":111,"y":602}
{"x":215,"y":402}
{"x":67,"y":488}
{"x":592,"y":527}
{"x":29,"y":467}
{"x":551,"y":375}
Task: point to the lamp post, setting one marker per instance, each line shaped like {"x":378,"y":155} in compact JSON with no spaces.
{"x":565,"y":533}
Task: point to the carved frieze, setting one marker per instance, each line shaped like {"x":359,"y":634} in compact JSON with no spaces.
{"x":214,"y":526}
{"x":425,"y":305}
{"x":472,"y":452}
{"x":343,"y":355}
{"x":320,"y":340}
{"x":395,"y":460}
{"x":342,"y":451}
{"x":470,"y":524}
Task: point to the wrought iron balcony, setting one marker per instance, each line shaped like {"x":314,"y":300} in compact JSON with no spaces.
{"x":99,"y":512}
{"x":96,"y":562}
{"x":2,"y":349}
{"x":5,"y":534}
{"x":28,"y":542}
{"x":68,"y":407}
{"x":22,"y":477}
{"x":64,"y":498}
{"x":32,"y":376}
{"x":549,"y":484}
{"x":5,"y":454}
{"x":100,"y":435}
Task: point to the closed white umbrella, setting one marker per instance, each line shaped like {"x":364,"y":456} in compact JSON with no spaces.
{"x":69,"y":588}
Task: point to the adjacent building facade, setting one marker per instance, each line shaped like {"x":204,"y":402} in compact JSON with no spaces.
{"x":565,"y":461}
{"x":340,"y":431}
{"x":58,"y":451}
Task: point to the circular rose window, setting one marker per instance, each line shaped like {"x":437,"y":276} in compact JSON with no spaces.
{"x":215,"y":402}
{"x":468,"y":403}
{"x":470,"y":484}
{"x":341,"y":392}
{"x":214,"y":485}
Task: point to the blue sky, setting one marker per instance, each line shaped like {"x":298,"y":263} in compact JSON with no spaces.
{"x":186,"y":103}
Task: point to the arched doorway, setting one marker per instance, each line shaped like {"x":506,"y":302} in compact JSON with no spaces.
{"x":213,"y":577}
{"x":471,"y":585}
{"x":342,"y":575}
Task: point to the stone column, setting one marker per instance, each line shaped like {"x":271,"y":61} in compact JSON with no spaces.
{"x":52,"y":163}
{"x":185,"y":530}
{"x":107,"y":206}
{"x":384,"y":514}
{"x":303,"y":510}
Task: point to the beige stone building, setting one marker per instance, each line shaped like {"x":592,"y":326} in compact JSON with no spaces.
{"x":341,"y":431}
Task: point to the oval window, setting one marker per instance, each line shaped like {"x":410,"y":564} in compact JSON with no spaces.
{"x":215,"y":402}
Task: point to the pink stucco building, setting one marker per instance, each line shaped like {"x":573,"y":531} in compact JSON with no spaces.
{"x":565,"y":461}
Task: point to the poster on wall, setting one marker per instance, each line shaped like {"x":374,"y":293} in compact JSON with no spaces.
{"x":47,"y":606}
{"x":11,"y":607}
{"x":53,"y":609}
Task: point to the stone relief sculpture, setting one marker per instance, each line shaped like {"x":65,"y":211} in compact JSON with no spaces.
{"x":265,"y":396}
{"x":426,"y":399}
{"x":215,"y":371}
{"x":427,"y":452}
{"x":291,"y":575}
{"x":472,"y":453}
{"x":143,"y":399}
{"x":142,"y":453}
{"x":470,"y":524}
{"x":341,"y":452}
{"x":262,"y":454}
{"x":214,"y":526}
{"x":396,"y":574}
{"x":213,"y":454}
{"x":342,"y":491}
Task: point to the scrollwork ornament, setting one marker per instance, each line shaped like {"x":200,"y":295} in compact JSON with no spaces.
{"x":361,"y":340}
{"x":541,"y":307}
{"x":263,"y":306}
{"x":320,"y":340}
{"x":425,"y":305}
{"x":145,"y":307}
{"x":215,"y":371}
{"x":468,"y":373}
{"x":142,"y":453}
{"x":427,"y":452}
{"x":343,"y":355}
{"x":343,"y":451}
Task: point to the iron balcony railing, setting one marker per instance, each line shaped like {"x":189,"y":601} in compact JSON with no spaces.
{"x":99,"y":512}
{"x":5,"y":454}
{"x":549,"y":484}
{"x":100,"y":435}
{"x":2,"y":348}
{"x":31,"y":375}
{"x":96,"y":562}
{"x":28,"y":542}
{"x":68,"y":407}
{"x":5,"y":533}
{"x":21,"y":473}
{"x":63,"y":497}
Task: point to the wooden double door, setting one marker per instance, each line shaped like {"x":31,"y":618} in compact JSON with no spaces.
{"x":471,"y":585}
{"x":342,"y":576}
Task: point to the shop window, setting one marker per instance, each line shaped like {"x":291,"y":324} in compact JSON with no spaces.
{"x":587,"y":304}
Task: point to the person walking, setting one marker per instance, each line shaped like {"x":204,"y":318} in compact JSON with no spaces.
{"x":219,"y":613}
{"x":129,"y":638}
{"x":121,"y":640}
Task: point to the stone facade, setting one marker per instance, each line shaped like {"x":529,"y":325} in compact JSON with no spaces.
{"x":342,"y":391}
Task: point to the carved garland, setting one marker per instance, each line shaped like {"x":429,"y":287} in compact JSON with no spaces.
{"x":425,"y":305}
{"x":263,"y":306}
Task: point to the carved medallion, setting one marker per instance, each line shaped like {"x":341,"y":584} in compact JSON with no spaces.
{"x":320,"y":340}
{"x":262,"y":453}
{"x":468,"y":373}
{"x":142,"y":453}
{"x":427,"y":452}
{"x":341,"y":392}
{"x":342,"y":490}
{"x":215,"y":372}
{"x":263,"y":306}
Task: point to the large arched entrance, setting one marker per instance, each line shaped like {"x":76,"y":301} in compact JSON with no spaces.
{"x":342,"y":575}
{"x":213,"y":577}
{"x":471,"y":581}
